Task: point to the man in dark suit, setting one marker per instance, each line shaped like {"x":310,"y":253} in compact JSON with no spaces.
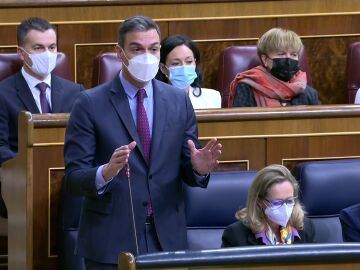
{"x":350,"y":223}
{"x":21,"y":91}
{"x":139,"y":126}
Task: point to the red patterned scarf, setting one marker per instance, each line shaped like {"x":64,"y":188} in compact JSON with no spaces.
{"x":268,"y":90}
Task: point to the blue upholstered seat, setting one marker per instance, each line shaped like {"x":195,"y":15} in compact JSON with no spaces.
{"x":326,"y":187}
{"x":209,"y":211}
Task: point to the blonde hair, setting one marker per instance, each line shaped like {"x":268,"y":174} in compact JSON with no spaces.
{"x":277,"y":40}
{"x":253,"y":215}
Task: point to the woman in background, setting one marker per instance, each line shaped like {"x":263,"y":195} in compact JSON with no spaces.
{"x":273,"y":214}
{"x":279,"y":80}
{"x":180,"y":66}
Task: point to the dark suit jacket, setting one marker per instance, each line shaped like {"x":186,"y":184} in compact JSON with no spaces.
{"x":15,"y":96}
{"x":101,"y":121}
{"x":237,"y":234}
{"x":350,"y":223}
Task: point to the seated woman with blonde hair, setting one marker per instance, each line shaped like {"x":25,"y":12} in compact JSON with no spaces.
{"x":279,"y":80}
{"x":273,"y":215}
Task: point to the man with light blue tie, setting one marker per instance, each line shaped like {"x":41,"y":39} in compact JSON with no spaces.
{"x":137,"y":126}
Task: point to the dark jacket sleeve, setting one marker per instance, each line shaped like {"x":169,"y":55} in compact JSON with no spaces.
{"x":237,"y":235}
{"x":350,"y":223}
{"x":312,"y":96}
{"x":244,"y":96}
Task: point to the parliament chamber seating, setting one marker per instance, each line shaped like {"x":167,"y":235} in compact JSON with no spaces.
{"x":237,"y":59}
{"x":11,"y":63}
{"x":105,"y":68}
{"x":208,"y":211}
{"x":326,"y":187}
{"x":353,"y":70}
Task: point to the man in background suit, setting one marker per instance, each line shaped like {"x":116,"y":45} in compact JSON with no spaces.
{"x":350,"y":223}
{"x":37,"y":49}
{"x":145,"y":125}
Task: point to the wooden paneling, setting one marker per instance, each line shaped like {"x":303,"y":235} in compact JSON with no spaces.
{"x":46,"y":200}
{"x":222,"y":29}
{"x":327,"y":28}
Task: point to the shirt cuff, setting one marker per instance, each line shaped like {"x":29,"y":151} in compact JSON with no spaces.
{"x":100,"y":182}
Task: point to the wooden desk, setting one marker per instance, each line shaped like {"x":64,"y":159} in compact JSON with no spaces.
{"x":300,"y":257}
{"x":252,"y":138}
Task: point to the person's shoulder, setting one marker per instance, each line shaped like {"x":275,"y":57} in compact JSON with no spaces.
{"x":210,"y":92}
{"x":168,"y":89}
{"x":9,"y":81}
{"x":238,"y":226}
{"x":310,"y":89}
{"x":351,"y":212}
{"x":8,"y":86}
{"x":236,"y":234}
{"x":68,"y":84}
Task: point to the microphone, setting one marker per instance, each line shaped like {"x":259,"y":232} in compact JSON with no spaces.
{"x":127,"y":174}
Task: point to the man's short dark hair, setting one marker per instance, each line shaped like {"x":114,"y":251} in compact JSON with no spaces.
{"x":33,"y":23}
{"x":136,"y":24}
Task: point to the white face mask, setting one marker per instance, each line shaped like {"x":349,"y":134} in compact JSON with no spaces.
{"x":42,"y":63}
{"x":279,"y":215}
{"x":143,"y":67}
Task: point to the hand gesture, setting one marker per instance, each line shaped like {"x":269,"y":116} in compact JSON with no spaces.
{"x":117,"y":161}
{"x":206,"y":159}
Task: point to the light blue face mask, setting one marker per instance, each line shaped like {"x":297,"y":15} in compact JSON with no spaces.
{"x":182,"y":76}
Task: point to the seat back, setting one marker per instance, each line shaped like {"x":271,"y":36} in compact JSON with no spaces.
{"x":68,"y":224}
{"x":209,"y":211}
{"x":326,"y":187}
{"x":105,"y":68}
{"x":352,"y":71}
{"x":236,"y":59}
{"x":10,"y":63}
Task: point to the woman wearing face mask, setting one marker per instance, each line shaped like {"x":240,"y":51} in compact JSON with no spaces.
{"x":273,"y":214}
{"x":278,"y":81}
{"x":179,"y":66}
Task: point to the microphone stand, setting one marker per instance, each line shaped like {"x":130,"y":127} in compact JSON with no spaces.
{"x":127,"y":173}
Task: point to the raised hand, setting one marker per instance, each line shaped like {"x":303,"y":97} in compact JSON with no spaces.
{"x":117,"y":161}
{"x":204,"y":160}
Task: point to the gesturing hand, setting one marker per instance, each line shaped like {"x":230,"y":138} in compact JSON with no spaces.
{"x":206,"y":159}
{"x":117,"y":161}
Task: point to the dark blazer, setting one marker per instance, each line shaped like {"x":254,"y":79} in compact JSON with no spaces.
{"x":16,"y":96}
{"x":244,"y":97}
{"x":101,"y":121}
{"x":237,"y":235}
{"x":350,"y":223}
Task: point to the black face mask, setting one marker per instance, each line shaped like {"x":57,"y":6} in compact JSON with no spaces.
{"x":284,"y":68}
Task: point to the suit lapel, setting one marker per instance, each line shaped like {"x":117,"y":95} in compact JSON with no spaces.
{"x":24,"y":93}
{"x":56,"y":94}
{"x":159,"y":121}
{"x":120,"y":102}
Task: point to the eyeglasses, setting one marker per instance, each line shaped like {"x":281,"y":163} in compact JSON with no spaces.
{"x":275,"y":204}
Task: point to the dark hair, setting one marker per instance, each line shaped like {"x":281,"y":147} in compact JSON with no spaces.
{"x":168,"y":44}
{"x":33,"y":23}
{"x":136,"y":23}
